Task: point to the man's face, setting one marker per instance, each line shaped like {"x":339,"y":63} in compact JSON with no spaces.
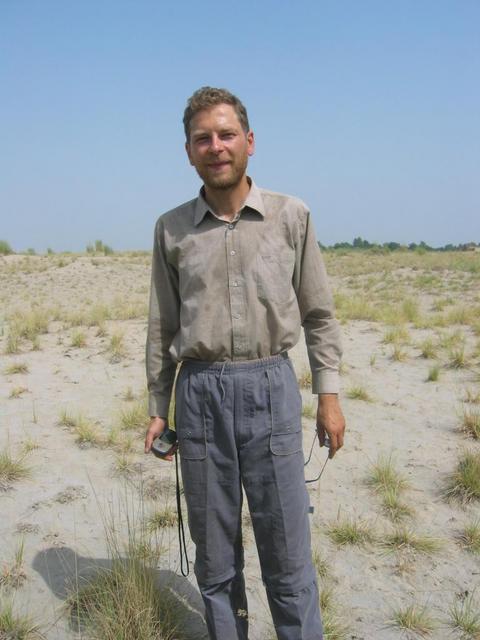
{"x":218,"y":147}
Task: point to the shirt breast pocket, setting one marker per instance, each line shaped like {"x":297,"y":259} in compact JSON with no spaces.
{"x":274,"y":277}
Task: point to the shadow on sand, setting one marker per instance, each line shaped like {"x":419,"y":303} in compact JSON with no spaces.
{"x":62,"y":569}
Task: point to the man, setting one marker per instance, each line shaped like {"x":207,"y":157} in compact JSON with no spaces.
{"x":235,"y":274}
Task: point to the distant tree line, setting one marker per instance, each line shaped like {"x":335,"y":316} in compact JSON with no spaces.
{"x":360,"y":243}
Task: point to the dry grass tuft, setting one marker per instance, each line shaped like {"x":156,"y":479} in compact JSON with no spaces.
{"x":162,"y":519}
{"x":16,"y":392}
{"x":464,"y":483}
{"x":469,"y":538}
{"x":433,"y":373}
{"x":465,"y":618}
{"x":12,"y":469}
{"x":404,"y":539}
{"x":350,"y":531}
{"x":471,"y":422}
{"x":358,"y":392}
{"x":413,"y":618}
{"x":16,"y":367}
{"x":15,"y":627}
{"x":13,"y":575}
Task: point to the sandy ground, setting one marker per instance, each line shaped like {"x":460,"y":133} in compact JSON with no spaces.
{"x":74,"y":490}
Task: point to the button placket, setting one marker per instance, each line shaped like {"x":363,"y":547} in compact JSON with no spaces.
{"x":236,"y":293}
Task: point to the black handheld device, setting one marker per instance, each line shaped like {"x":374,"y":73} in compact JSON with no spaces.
{"x":163,"y":444}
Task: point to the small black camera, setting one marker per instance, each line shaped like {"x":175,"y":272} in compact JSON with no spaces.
{"x":163,"y":444}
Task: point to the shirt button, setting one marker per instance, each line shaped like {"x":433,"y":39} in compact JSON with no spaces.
{"x":233,"y":252}
{"x":235,"y":283}
{"x":230,"y":226}
{"x":236,"y":316}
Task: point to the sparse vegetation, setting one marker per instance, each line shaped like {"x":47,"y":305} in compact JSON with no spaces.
{"x":79,"y":340}
{"x":350,"y":531}
{"x":358,"y":392}
{"x":433,"y":373}
{"x":428,"y":349}
{"x":470,"y":537}
{"x":13,"y":575}
{"x":12,"y":469}
{"x":465,"y":618}
{"x":17,"y":627}
{"x":16,"y":392}
{"x":16,"y":367}
{"x":404,"y":539}
{"x":471,"y":422}
{"x":413,"y":618}
{"x":162,"y":519}
{"x":116,"y":347}
{"x":464,"y":482}
{"x":135,"y":416}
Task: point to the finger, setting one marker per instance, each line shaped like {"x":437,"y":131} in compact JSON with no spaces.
{"x":149,"y":438}
{"x":321,"y":434}
{"x":333,"y":445}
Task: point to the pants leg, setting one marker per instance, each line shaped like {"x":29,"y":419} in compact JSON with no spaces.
{"x":213,"y":493}
{"x":246,"y":425}
{"x":271,"y":461}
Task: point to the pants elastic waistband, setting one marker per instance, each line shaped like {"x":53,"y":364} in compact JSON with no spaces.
{"x":230,"y":366}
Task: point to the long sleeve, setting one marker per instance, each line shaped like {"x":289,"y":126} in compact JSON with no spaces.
{"x":163,"y":324}
{"x":322,"y":332}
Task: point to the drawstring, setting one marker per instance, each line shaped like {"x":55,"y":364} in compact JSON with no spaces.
{"x":220,"y":381}
{"x":181,"y":530}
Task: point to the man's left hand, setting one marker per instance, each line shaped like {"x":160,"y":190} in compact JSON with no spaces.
{"x":330,"y":420}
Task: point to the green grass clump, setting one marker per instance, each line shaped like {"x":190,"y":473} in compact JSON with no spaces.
{"x":85,"y":432}
{"x":79,"y":340}
{"x":397,"y":335}
{"x":470,"y":537}
{"x":406,"y":540}
{"x":116,"y":347}
{"x":13,"y":575}
{"x":162,"y":519}
{"x":12,"y":469}
{"x":428,"y":349}
{"x":135,"y":417}
{"x":433,"y":373}
{"x":471,"y":422}
{"x":458,"y":359}
{"x":16,"y":627}
{"x":349,"y":531}
{"x":124,"y":602}
{"x":398,"y":354}
{"x":12,"y":344}
{"x":334,"y":626}
{"x":388,"y":483}
{"x":465,"y":618}
{"x":464,"y":482}
{"x":358,"y":392}
{"x":413,"y":618}
{"x":16,"y":367}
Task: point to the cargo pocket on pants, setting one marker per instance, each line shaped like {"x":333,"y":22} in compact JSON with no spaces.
{"x":190,"y":416}
{"x":285,"y":411}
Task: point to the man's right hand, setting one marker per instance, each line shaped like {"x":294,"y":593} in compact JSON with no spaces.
{"x":156,"y":428}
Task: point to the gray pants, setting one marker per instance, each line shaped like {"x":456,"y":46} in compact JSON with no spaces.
{"x":240,"y":423}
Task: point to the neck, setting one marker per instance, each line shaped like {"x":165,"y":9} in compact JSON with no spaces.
{"x":227,"y":202}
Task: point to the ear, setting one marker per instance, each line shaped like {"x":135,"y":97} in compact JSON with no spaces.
{"x":187,"y":149}
{"x":250,"y":143}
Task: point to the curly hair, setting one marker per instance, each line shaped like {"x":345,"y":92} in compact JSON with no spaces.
{"x":207,"y":97}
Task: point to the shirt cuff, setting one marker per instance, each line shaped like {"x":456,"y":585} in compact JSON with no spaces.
{"x":325,"y":381}
{"x":158,"y":405}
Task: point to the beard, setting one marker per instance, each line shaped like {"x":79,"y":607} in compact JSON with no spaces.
{"x":228,"y":180}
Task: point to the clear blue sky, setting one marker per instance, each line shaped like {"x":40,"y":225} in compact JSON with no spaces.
{"x":369,"y":111}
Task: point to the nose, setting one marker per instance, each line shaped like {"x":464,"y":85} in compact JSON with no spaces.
{"x":216,"y":144}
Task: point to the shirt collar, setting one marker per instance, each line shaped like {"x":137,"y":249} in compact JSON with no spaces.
{"x":253,"y":201}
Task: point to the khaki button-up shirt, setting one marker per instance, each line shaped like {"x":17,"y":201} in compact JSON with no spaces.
{"x":235,"y":291}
